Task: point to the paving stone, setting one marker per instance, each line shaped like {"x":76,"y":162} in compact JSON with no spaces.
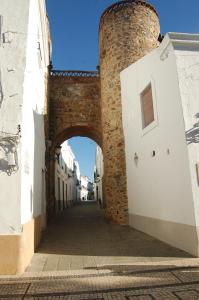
{"x":102,"y":270}
{"x":92,"y":242}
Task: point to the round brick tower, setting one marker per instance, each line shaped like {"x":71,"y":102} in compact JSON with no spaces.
{"x":129,"y":29}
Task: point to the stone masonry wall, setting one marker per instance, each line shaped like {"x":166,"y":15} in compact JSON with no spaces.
{"x":74,"y":111}
{"x":128,"y":31}
{"x":74,"y":104}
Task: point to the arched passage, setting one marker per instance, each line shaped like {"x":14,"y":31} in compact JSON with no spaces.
{"x":83,"y":131}
{"x":74,"y":110}
{"x":66,"y":134}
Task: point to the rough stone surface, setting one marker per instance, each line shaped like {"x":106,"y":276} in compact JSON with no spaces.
{"x":128,"y":31}
{"x":74,"y":111}
{"x":74,"y":108}
{"x":92,"y":106}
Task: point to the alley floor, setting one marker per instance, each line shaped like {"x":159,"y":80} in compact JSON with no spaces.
{"x":82,"y":256}
{"x":80,"y":238}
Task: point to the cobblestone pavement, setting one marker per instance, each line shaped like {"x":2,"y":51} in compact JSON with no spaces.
{"x":84,"y":257}
{"x":163,"y":284}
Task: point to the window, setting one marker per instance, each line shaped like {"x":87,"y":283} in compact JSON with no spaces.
{"x":197,"y":172}
{"x":146,"y":99}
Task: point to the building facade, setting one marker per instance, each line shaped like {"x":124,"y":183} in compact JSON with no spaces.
{"x":67,"y":179}
{"x":98,"y":176}
{"x":25,"y":57}
{"x":84,"y":187}
{"x":160,"y":104}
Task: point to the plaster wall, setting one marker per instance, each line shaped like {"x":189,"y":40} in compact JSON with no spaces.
{"x":84,"y":187}
{"x":77,"y":186}
{"x":159,"y":186}
{"x":69,"y":159}
{"x":13,"y":40}
{"x":33,"y":137}
{"x":67,"y":171}
{"x":187,"y":60}
{"x":61,"y":174}
{"x":100,"y":172}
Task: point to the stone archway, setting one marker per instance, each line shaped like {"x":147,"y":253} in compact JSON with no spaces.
{"x":91,"y":100}
{"x":74,"y":110}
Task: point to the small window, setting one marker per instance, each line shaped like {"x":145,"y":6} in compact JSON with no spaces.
{"x":197,"y":172}
{"x":146,"y":98}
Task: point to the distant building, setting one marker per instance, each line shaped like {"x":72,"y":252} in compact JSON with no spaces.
{"x":67,"y":178}
{"x":98,"y":176}
{"x":90,"y":191}
{"x":77,"y":179}
{"x":84,"y":187}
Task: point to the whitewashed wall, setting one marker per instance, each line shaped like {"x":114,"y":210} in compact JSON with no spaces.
{"x":160,"y":194}
{"x":84,"y":187}
{"x":68,"y":174}
{"x":61,"y":173}
{"x":100,"y":171}
{"x":34,"y":97}
{"x":13,"y":40}
{"x":77,"y":187}
{"x":187,"y":59}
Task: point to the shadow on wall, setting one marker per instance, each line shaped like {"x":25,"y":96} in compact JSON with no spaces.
{"x":39,"y":164}
{"x":8,"y":153}
{"x":192,"y":135}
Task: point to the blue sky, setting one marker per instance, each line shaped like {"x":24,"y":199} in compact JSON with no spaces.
{"x":74,"y":32}
{"x":84,"y":150}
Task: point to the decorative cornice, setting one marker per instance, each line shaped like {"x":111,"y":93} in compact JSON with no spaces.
{"x":73,"y":73}
{"x":178,"y":41}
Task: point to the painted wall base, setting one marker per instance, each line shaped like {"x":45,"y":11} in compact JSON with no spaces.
{"x":16,"y":251}
{"x":182,"y":236}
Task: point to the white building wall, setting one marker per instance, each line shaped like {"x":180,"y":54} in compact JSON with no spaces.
{"x":62,"y":175}
{"x":84,"y":187}
{"x":13,"y":40}
{"x":159,"y":187}
{"x":78,"y":182}
{"x":100,"y":172}
{"x":33,"y":136}
{"x":23,"y":35}
{"x":68,"y":172}
{"x":187,"y":59}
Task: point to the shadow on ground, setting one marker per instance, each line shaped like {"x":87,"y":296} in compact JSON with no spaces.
{"x":83,"y":231}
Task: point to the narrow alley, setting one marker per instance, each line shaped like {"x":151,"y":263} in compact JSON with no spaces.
{"x":81,"y":238}
{"x":82,"y":256}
